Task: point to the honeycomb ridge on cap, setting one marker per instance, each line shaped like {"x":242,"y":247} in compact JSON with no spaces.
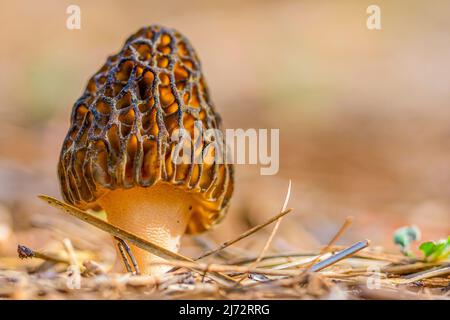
{"x":120,"y":128}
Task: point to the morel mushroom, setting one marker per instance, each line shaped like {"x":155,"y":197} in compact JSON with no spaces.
{"x":118,"y":153}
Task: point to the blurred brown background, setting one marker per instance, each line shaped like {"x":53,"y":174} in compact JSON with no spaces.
{"x":364,"y":116}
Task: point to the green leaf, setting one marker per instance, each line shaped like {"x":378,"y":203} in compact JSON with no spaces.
{"x":436,"y":250}
{"x":427,"y":248}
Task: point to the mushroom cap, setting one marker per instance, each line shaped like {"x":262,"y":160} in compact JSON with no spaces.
{"x":121,"y":128}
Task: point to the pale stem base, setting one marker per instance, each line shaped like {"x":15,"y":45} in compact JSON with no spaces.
{"x":158,"y":214}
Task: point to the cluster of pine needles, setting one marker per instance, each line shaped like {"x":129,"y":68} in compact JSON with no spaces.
{"x":335,"y":272}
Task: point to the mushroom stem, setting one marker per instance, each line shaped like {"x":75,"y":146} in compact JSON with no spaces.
{"x":159,"y":214}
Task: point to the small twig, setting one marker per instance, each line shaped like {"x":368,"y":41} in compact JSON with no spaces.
{"x":348,"y":221}
{"x":409,"y":268}
{"x":113,"y":230}
{"x":317,"y":267}
{"x":379,"y":256}
{"x":126,"y":253}
{"x":25,"y":253}
{"x":244,"y":235}
{"x":339,"y":256}
{"x":70,"y":251}
{"x":124,"y":256}
{"x":272,"y":234}
{"x":127,"y":236}
{"x":207,"y":244}
{"x":205,"y":267}
{"x":74,"y":273}
{"x":275,"y":228}
{"x":435,"y":272}
{"x":296,"y":264}
{"x":289,"y":256}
